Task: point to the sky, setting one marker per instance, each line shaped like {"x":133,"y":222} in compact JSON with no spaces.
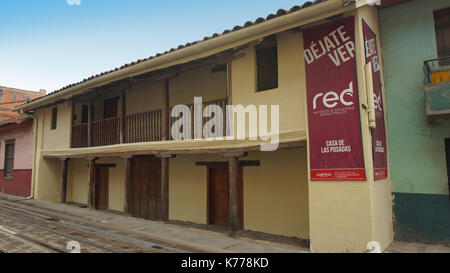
{"x":48,"y":44}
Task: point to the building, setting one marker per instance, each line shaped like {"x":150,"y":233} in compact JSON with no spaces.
{"x":13,"y":97}
{"x":416,"y":59}
{"x":16,"y":156}
{"x":16,"y":142}
{"x":106,"y":141}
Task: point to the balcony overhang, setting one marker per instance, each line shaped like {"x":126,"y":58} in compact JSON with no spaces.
{"x":288,"y":139}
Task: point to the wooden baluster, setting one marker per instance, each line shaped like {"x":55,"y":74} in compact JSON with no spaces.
{"x":165,"y":111}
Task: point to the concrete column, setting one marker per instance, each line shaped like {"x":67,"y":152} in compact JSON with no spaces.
{"x":344,"y":215}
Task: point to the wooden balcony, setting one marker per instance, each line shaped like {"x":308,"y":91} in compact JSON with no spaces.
{"x":139,"y":127}
{"x":80,"y":136}
{"x":143,"y":127}
{"x":106,"y":132}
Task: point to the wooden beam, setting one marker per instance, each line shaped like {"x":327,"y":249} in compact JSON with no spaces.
{"x":123,"y":101}
{"x":165,"y":112}
{"x":64,"y":166}
{"x":165,"y":155}
{"x":90,"y":120}
{"x":164,"y":76}
{"x":165,"y":189}
{"x":243,"y":163}
{"x":127,"y":208}
{"x":234,"y":154}
{"x":233,"y":192}
{"x":106,"y":165}
{"x":229,"y":83}
{"x":91,"y":183}
{"x":73,"y":112}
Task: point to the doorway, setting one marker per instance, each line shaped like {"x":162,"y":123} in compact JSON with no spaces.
{"x":110,"y":108}
{"x":218,"y":196}
{"x":101,"y":199}
{"x":145,"y":188}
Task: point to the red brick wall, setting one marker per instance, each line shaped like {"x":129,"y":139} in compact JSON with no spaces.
{"x":19,"y":185}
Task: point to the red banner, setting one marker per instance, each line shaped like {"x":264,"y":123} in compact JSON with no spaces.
{"x":335,"y":141}
{"x":379,"y":134}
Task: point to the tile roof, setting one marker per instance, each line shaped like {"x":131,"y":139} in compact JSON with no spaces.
{"x":6,"y":122}
{"x":280,"y":12}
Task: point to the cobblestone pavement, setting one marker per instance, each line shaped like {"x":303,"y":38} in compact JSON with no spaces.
{"x":25,"y":231}
{"x":99,"y":231}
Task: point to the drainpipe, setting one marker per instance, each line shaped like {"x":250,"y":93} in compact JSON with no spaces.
{"x":33,"y":168}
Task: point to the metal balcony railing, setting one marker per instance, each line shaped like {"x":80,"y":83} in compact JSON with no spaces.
{"x":437,"y":70}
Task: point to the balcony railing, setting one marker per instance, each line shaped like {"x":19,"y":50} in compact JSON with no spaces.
{"x":220,"y":102}
{"x":437,"y":87}
{"x":139,"y":127}
{"x":80,"y":136}
{"x":106,"y":132}
{"x":143,"y":127}
{"x":437,"y":70}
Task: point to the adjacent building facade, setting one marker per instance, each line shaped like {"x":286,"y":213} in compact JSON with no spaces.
{"x":16,"y":142}
{"x":16,"y":156}
{"x":13,"y":97}
{"x":107,"y":142}
{"x":416,"y":56}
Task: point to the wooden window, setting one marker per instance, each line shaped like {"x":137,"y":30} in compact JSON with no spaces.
{"x":267,"y":64}
{"x":54,"y":118}
{"x":9,"y":159}
{"x":442,"y":27}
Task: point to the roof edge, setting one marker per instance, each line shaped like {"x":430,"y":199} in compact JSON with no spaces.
{"x":196,"y":49}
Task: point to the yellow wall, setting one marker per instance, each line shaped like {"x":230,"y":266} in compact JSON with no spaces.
{"x":60,"y":137}
{"x":200,"y":82}
{"x":47,"y":172}
{"x":116,"y":182}
{"x":147,"y":95}
{"x":340,"y":216}
{"x":144,"y":96}
{"x":345,"y":216}
{"x":291,"y":81}
{"x":275,"y":194}
{"x":78,"y":181}
{"x":188,"y":188}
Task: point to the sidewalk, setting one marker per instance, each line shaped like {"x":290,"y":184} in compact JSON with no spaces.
{"x":405,"y":247}
{"x":195,"y":239}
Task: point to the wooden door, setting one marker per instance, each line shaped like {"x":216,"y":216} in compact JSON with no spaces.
{"x":110,"y":108}
{"x":101,"y":199}
{"x":145,"y":190}
{"x":219,"y":202}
